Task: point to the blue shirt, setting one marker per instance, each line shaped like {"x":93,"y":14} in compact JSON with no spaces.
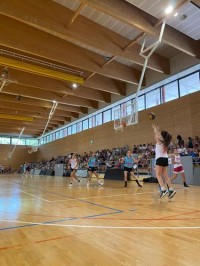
{"x":128,"y":162}
{"x":92,"y":162}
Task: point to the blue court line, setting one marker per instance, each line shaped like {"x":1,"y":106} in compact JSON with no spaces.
{"x":58,"y":194}
{"x":66,"y":219}
{"x":57,"y":221}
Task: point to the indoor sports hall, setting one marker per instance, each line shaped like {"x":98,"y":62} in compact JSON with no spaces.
{"x":99,"y":132}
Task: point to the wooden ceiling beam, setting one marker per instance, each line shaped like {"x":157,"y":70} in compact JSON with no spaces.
{"x":43,"y":105}
{"x":40,"y":82}
{"x":17,"y":89}
{"x":108,"y":41}
{"x":133,"y":16}
{"x":105,"y":84}
{"x":60,"y":51}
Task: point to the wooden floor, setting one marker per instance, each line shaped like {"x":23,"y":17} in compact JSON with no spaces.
{"x":44,"y":222}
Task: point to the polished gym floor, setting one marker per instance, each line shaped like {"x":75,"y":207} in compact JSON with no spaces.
{"x":45,"y":222}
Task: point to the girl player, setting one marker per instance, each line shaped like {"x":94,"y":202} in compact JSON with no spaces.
{"x":74,"y":166}
{"x":178,"y":167}
{"x":128,"y":167}
{"x":163,"y":139}
{"x":92,"y":169}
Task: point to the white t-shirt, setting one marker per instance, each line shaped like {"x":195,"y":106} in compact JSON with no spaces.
{"x":161,"y":151}
{"x":73,"y":163}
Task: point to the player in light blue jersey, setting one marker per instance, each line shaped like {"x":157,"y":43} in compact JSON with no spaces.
{"x":92,"y":169}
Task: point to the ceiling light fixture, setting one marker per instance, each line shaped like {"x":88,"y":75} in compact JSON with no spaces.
{"x":75,"y":85}
{"x":176,"y":14}
{"x":168,"y":10}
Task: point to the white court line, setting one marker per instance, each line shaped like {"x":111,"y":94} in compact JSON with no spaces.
{"x":34,"y":196}
{"x":108,"y":227}
{"x":52,"y":201}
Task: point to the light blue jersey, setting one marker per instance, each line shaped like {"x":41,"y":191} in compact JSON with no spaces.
{"x":92,"y":162}
{"x":128,"y":162}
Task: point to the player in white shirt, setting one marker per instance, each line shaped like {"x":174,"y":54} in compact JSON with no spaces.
{"x":73,"y":166}
{"x":178,"y":167}
{"x":163,"y":140}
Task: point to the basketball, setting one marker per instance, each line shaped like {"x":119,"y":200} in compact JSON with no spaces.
{"x":123,"y":123}
{"x":151,"y":116}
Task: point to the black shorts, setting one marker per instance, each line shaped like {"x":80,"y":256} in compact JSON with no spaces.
{"x":162,"y":161}
{"x":128,"y":169}
{"x":92,"y":169}
{"x":73,"y":170}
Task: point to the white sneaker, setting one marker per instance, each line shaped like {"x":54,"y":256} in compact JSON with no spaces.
{"x":88,"y":184}
{"x":70,"y":185}
{"x":100,"y":184}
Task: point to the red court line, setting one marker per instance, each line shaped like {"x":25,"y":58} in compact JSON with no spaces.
{"x":40,"y":241}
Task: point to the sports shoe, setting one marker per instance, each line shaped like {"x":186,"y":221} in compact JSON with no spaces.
{"x":100,"y":184}
{"x":186,"y":185}
{"x":163,"y":193}
{"x":88,"y":184}
{"x":139,"y":185}
{"x":70,"y":185}
{"x":171,"y":194}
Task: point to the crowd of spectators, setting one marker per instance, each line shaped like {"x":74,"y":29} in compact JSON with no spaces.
{"x":112,"y":158}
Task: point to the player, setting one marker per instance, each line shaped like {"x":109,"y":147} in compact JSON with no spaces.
{"x":163,"y":140}
{"x":73,"y":166}
{"x":128,"y":168}
{"x":92,"y":169}
{"x":178,"y":167}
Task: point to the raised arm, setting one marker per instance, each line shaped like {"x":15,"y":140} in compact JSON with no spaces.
{"x":157,"y":134}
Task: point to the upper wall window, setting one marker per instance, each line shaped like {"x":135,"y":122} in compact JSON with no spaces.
{"x":169,"y":92}
{"x":107,"y":116}
{"x":153,"y":98}
{"x":4,"y":140}
{"x":92,"y":122}
{"x":79,"y":127}
{"x":189,"y":84}
{"x":99,"y":119}
{"x":85,"y":124}
{"x":141,"y":103}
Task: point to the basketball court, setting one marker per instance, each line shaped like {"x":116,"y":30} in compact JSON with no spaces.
{"x":79,"y":77}
{"x":43,"y":222}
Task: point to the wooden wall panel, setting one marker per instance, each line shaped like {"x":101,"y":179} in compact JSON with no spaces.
{"x":180,"y":116}
{"x":20,"y":156}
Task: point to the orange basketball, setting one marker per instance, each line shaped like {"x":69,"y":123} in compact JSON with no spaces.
{"x":123,"y":123}
{"x":151,"y":116}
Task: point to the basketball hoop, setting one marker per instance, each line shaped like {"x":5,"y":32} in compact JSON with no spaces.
{"x":33,"y":149}
{"x":125,"y":116}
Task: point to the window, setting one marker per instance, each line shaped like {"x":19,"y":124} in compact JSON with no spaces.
{"x":69,"y":130}
{"x":57,"y":134}
{"x":32,"y":142}
{"x":99,"y":119}
{"x":17,"y":141}
{"x":169,"y":92}
{"x":54,"y":136}
{"x":189,"y":84}
{"x":107,"y":116}
{"x":115,"y":114}
{"x":79,"y":126}
{"x":4,"y":140}
{"x":126,"y":108}
{"x":85,"y":124}
{"x":61,"y":133}
{"x":74,"y":129}
{"x":153,"y":98}
{"x":45,"y":140}
{"x":65,"y":132}
{"x":141,"y":103}
{"x":92,"y":122}
{"x":50,"y":137}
